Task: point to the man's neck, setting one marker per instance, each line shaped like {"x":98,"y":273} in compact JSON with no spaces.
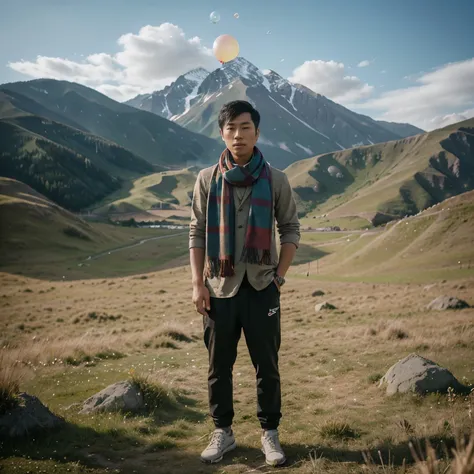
{"x":242,"y":161}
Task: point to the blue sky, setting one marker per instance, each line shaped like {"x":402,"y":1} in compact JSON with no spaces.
{"x":420,"y":52}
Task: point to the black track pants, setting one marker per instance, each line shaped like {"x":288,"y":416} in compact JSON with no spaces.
{"x":258,"y":314}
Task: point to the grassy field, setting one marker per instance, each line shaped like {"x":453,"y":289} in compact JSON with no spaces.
{"x":348,"y":222}
{"x":148,"y":192}
{"x":41,"y":240}
{"x":129,"y":314}
{"x":333,"y":410}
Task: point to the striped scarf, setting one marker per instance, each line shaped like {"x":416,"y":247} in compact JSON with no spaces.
{"x":220,"y":244}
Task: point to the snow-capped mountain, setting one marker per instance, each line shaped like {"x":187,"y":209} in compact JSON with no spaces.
{"x":296,"y":121}
{"x":173,"y":99}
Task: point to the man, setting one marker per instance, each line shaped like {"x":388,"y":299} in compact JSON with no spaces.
{"x":237,"y":274}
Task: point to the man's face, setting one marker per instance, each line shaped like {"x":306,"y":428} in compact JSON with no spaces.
{"x":240,"y":136}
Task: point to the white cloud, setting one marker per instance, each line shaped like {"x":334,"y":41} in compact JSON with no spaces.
{"x":365,"y":63}
{"x":444,"y":120}
{"x":148,"y":61}
{"x":442,"y":95}
{"x":329,"y":79}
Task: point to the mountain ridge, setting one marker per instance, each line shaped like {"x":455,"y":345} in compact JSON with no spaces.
{"x":145,"y":134}
{"x":392,"y":179}
{"x":288,"y":109}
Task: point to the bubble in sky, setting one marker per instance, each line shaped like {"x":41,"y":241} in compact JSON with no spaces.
{"x":236,"y":15}
{"x":214,"y":17}
{"x":225,"y":48}
{"x":269,"y":32}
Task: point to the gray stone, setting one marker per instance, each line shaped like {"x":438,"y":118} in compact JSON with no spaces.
{"x":323,"y":306}
{"x":30,"y":416}
{"x":447,"y":302}
{"x":419,"y":375}
{"x":120,"y":396}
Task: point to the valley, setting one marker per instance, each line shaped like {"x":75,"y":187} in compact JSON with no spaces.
{"x":96,"y":286}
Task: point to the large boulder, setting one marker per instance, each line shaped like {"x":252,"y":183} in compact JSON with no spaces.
{"x":419,"y":375}
{"x":121,"y":396}
{"x":29,"y":416}
{"x":447,"y":302}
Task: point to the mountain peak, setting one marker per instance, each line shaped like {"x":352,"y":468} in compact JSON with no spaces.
{"x":198,"y":74}
{"x":241,"y":68}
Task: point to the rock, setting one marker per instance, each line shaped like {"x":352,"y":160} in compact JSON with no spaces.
{"x":29,"y":416}
{"x":120,"y":396}
{"x":318,"y":293}
{"x":447,"y":302}
{"x":419,"y":375}
{"x":322,"y":306}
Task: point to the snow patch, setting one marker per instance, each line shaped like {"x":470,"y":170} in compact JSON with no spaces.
{"x":197,"y":75}
{"x":307,"y":150}
{"x":284,"y":146}
{"x":265,"y":141}
{"x":266,"y":83}
{"x":293,"y":90}
{"x":166,"y":111}
{"x":189,"y":97}
{"x":297,"y":118}
{"x":39,"y":90}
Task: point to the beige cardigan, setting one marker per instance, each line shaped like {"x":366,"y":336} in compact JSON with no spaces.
{"x":259,"y":276}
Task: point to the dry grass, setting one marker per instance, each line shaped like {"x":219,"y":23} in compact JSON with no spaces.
{"x":333,"y":409}
{"x":10,"y":378}
{"x":463,"y":462}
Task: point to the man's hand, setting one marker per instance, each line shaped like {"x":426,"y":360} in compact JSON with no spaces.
{"x":201,"y":298}
{"x":276,"y":283}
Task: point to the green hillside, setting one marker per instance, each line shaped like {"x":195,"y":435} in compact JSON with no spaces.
{"x":167,"y":189}
{"x":39,"y":237}
{"x":147,"y":135}
{"x":436,"y":243}
{"x":388,"y":180}
{"x":71,"y":167}
{"x":32,"y":225}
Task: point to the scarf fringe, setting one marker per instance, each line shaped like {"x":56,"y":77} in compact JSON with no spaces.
{"x":216,"y":267}
{"x":256,"y":256}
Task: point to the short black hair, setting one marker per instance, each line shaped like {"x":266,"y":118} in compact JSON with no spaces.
{"x":233,"y":109}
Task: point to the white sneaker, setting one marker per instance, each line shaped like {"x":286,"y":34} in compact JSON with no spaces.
{"x":274,"y":455}
{"x":221,"y":443}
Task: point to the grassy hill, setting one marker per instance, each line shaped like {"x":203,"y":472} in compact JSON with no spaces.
{"x":39,"y":237}
{"x":387,"y":180}
{"x":437,"y":243}
{"x":147,"y":135}
{"x":167,"y":188}
{"x":32,"y":225}
{"x":71,"y":167}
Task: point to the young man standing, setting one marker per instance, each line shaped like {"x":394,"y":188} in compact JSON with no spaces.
{"x":237,"y":274}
